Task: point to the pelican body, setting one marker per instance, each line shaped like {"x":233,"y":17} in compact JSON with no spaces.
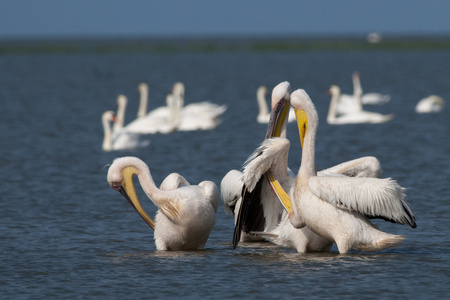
{"x":338,"y":208}
{"x":186,"y":213}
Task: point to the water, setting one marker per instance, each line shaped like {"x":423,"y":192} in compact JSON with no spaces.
{"x":66,"y":234}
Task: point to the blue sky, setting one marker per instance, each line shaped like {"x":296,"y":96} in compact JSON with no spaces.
{"x":128,"y":18}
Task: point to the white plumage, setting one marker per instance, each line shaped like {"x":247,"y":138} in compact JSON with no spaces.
{"x":355,"y":117}
{"x":120,"y":139}
{"x":330,"y":206}
{"x":186,"y":213}
{"x":430,"y":104}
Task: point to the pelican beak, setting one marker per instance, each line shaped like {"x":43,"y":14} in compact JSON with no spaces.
{"x":280,"y":193}
{"x":277,"y":120}
{"x":129,"y":192}
{"x":302,"y":123}
{"x":278,"y":117}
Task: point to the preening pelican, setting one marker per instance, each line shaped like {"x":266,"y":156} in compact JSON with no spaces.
{"x":264,"y":113}
{"x":186,"y":213}
{"x":430,"y":104}
{"x":337,"y":207}
{"x":356,"y":117}
{"x":120,"y":139}
{"x":196,"y":116}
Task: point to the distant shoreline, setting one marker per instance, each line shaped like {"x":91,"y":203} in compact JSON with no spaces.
{"x":225,"y":44}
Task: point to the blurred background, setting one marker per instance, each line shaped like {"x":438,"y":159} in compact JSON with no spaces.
{"x":66,"y":234}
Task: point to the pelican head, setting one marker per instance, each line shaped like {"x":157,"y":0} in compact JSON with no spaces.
{"x":280,"y":110}
{"x":299,"y":105}
{"x":120,"y":178}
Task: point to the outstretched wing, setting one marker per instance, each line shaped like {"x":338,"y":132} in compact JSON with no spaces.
{"x":373,"y":197}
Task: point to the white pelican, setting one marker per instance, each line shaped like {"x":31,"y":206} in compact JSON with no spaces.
{"x":356,"y":117}
{"x":231,"y":194}
{"x":120,"y":139}
{"x":196,"y":116}
{"x":261,"y":204}
{"x":186,"y":213}
{"x":430,"y":104}
{"x":337,"y":207}
{"x":257,"y":211}
{"x":263,"y":112}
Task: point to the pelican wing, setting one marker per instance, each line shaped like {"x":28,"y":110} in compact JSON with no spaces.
{"x":271,"y":153}
{"x":173,"y":181}
{"x":251,"y":215}
{"x":230,"y":190}
{"x":373,"y":197}
{"x":367,"y":166}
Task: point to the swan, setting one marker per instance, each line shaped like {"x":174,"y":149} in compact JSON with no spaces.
{"x":337,"y":207}
{"x":350,"y":103}
{"x":143,"y":99}
{"x":120,"y":139}
{"x":162,"y":112}
{"x":264,"y":114}
{"x":121,"y":103}
{"x":196,"y":116}
{"x":186,"y":213}
{"x":356,"y":117}
{"x":162,"y":120}
{"x":370,"y":98}
{"x":430,"y":104}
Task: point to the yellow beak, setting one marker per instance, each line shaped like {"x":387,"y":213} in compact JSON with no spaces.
{"x":277,"y":120}
{"x":279,"y":191}
{"x":278,"y":117}
{"x":302,"y":123}
{"x":129,"y":192}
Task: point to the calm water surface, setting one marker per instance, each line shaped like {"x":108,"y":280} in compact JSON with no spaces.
{"x":66,"y":234}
